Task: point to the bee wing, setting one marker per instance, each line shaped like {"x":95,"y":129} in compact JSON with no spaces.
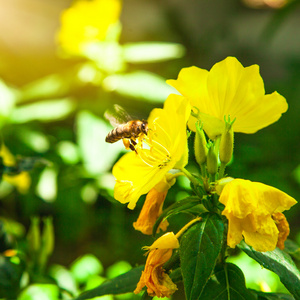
{"x":117,"y":115}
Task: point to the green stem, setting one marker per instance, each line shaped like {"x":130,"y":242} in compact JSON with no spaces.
{"x":177,"y":175}
{"x":212,"y":177}
{"x":189,"y":176}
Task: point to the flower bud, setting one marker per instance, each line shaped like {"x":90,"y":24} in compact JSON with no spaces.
{"x":212,"y":159}
{"x":200,"y":145}
{"x":226,"y":143}
{"x":34,"y":235}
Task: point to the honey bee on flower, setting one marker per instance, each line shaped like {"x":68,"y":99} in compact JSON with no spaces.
{"x":127,"y":131}
{"x":167,"y":150}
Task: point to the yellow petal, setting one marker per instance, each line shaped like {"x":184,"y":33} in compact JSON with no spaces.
{"x":134,"y":178}
{"x":239,"y":198}
{"x":242,"y":197}
{"x":190,"y":82}
{"x":234,"y":235}
{"x":261,"y":242}
{"x":166,"y":241}
{"x":265,"y":111}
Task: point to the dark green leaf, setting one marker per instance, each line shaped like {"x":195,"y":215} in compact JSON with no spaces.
{"x":199,"y":250}
{"x":146,"y":296}
{"x":25,"y":164}
{"x":227,"y":283}
{"x":176,"y":275}
{"x":11,"y":269}
{"x":292,"y":249}
{"x":280,"y":263}
{"x":124,"y":283}
{"x":272,"y":296}
{"x":174,"y":262}
{"x":176,"y":208}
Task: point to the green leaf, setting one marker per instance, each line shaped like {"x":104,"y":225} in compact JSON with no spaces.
{"x":176,"y":208}
{"x":40,"y":291}
{"x":280,"y":263}
{"x":228,"y":283}
{"x":44,"y":111}
{"x":272,"y":296}
{"x":86,"y":266}
{"x":11,"y":269}
{"x":199,"y":250}
{"x":292,"y":249}
{"x":151,"y":52}
{"x":141,"y":85}
{"x":124,"y":283}
{"x":176,"y":275}
{"x":52,"y":86}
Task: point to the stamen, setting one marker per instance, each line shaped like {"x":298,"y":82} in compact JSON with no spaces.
{"x":163,"y":147}
{"x":147,"y":159}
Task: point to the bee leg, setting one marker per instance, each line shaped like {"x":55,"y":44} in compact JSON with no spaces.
{"x":127,"y":144}
{"x":133,"y":142}
{"x":132,"y":145}
{"x":132,"y":148}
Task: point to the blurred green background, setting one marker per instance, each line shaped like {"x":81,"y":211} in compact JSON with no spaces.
{"x":52,"y":105}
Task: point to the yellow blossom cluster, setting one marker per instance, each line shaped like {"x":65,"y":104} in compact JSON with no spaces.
{"x":229,"y":98}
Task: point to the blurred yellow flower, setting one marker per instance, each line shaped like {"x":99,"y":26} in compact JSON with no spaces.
{"x":229,"y":89}
{"x":152,"y":208}
{"x":250,"y":208}
{"x":158,"y":283}
{"x":22,"y":180}
{"x":137,"y":174}
{"x":85,"y":22}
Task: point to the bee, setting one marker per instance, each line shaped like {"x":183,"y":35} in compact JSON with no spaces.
{"x":128,"y":131}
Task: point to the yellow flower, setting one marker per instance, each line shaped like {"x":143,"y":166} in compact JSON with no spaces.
{"x":22,"y":180}
{"x":152,"y":208}
{"x":229,"y":89}
{"x":158,"y":283}
{"x":87,"y":21}
{"x":250,"y":208}
{"x":137,"y":174}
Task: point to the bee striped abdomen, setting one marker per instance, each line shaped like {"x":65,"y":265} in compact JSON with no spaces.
{"x":117,"y":134}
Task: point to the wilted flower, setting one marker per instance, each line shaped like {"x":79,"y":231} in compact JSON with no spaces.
{"x":250,"y":208}
{"x":152,"y":208}
{"x":158,"y":283}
